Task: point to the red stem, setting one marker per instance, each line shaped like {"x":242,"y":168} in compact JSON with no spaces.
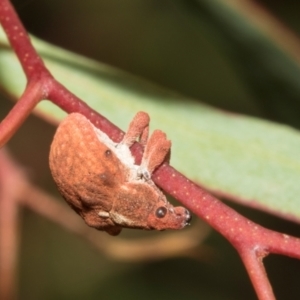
{"x":31,"y":62}
{"x":236,"y":228}
{"x":9,"y":233}
{"x":256,"y":270}
{"x":20,"y":111}
{"x":67,"y":101}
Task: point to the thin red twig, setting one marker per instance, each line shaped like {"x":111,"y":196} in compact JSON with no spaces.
{"x":9,"y":231}
{"x":67,"y":101}
{"x":31,"y":62}
{"x":20,"y":111}
{"x":256,"y":270}
{"x":41,"y":84}
{"x":236,"y":228}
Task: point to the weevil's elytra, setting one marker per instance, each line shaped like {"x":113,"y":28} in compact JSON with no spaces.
{"x":99,"y":180}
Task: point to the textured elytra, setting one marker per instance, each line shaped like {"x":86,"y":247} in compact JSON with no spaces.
{"x":99,"y":180}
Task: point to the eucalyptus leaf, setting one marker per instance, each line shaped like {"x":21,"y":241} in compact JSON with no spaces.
{"x":246,"y":158}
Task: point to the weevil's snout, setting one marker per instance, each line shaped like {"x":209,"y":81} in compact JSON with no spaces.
{"x":188,"y":217}
{"x":184,"y":215}
{"x":169,"y":217}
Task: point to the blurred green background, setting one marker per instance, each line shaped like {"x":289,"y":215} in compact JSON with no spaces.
{"x":185,"y":46}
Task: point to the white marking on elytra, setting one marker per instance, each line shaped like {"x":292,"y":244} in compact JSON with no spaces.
{"x":122,"y":152}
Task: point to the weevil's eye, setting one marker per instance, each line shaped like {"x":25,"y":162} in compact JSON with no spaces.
{"x":161,"y":212}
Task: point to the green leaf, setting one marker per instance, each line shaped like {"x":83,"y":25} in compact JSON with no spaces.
{"x":245,"y":158}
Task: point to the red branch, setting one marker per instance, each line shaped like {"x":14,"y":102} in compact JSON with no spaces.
{"x":252,"y":241}
{"x":11,"y":186}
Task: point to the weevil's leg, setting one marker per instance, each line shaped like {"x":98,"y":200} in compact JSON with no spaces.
{"x":138,"y":129}
{"x":155,"y":152}
{"x":144,"y":136}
